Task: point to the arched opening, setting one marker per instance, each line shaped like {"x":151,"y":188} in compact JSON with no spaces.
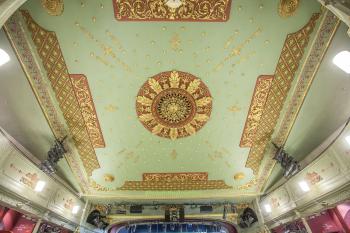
{"x":190,"y":225}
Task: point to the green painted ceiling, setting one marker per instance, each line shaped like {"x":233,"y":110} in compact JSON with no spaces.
{"x":147,"y":49}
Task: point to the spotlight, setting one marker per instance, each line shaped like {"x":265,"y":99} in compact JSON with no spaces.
{"x":347,"y":139}
{"x":39,"y":187}
{"x":4,"y":57}
{"x":267,"y":208}
{"x":304,"y":186}
{"x":342,"y":60}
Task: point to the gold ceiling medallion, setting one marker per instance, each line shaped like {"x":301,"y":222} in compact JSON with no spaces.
{"x":288,"y":8}
{"x":53,"y":7}
{"x":172,"y":10}
{"x":174,"y":181}
{"x":173,"y":104}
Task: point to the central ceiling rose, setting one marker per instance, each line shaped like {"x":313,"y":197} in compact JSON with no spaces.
{"x":173,"y":104}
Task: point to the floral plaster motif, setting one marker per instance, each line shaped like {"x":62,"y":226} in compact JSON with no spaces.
{"x":173,"y":104}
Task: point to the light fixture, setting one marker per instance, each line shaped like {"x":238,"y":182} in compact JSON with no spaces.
{"x":347,"y":139}
{"x":4,"y":57}
{"x":342,"y":60}
{"x":267,"y":208}
{"x":75,"y":209}
{"x":39,"y":187}
{"x":304,"y":186}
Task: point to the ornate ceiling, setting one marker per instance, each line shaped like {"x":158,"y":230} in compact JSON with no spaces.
{"x":167,"y":109}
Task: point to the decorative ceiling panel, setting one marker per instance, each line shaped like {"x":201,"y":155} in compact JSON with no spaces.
{"x":172,"y":10}
{"x":119,"y":58}
{"x":87,"y":107}
{"x":174,"y":104}
{"x":174,"y":181}
{"x":261,"y":92}
{"x":50,"y":52}
{"x":288,"y":63}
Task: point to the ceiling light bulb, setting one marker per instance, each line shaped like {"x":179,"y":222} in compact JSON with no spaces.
{"x":342,"y":60}
{"x":347,"y":139}
{"x":4,"y":57}
{"x":304,"y":186}
{"x":75,"y":209}
{"x":268,"y":208}
{"x":39,"y":187}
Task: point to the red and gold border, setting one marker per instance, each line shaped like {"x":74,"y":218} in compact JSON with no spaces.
{"x":87,"y":106}
{"x":261,"y":92}
{"x":174,"y":181}
{"x":158,"y":10}
{"x":49,"y":51}
{"x":287,"y":66}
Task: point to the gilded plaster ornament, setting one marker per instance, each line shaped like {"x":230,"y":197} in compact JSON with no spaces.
{"x":288,"y":8}
{"x":173,"y":104}
{"x":172,"y":10}
{"x":239,"y":176}
{"x":53,"y":7}
{"x":108,"y":177}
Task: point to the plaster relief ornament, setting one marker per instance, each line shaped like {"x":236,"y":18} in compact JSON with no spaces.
{"x":173,"y":3}
{"x":173,"y":104}
{"x":288,"y":8}
{"x":53,"y":7}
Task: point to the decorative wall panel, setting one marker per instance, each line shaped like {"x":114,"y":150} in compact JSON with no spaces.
{"x":172,"y":10}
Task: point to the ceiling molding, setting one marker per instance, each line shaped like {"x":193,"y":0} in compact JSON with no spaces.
{"x":178,"y":10}
{"x":49,"y":51}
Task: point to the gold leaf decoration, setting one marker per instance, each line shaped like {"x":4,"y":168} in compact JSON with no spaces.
{"x":201,"y":117}
{"x":173,"y":133}
{"x":239,"y":176}
{"x":203,"y":101}
{"x":288,"y":8}
{"x":146,"y":117}
{"x":144,"y":100}
{"x":189,"y":128}
{"x":53,"y":7}
{"x":166,"y":104}
{"x":194,"y":85}
{"x":184,"y":10}
{"x":174,"y":79}
{"x":108,"y":177}
{"x":157,"y":129}
{"x":174,"y":181}
{"x":154,"y":84}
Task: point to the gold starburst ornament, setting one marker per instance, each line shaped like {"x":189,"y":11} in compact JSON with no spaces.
{"x":173,"y":104}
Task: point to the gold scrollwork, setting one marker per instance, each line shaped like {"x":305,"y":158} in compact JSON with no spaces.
{"x":160,"y":10}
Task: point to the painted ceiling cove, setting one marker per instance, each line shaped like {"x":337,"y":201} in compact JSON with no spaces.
{"x":326,"y":107}
{"x":21,"y":115}
{"x":118,"y":57}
